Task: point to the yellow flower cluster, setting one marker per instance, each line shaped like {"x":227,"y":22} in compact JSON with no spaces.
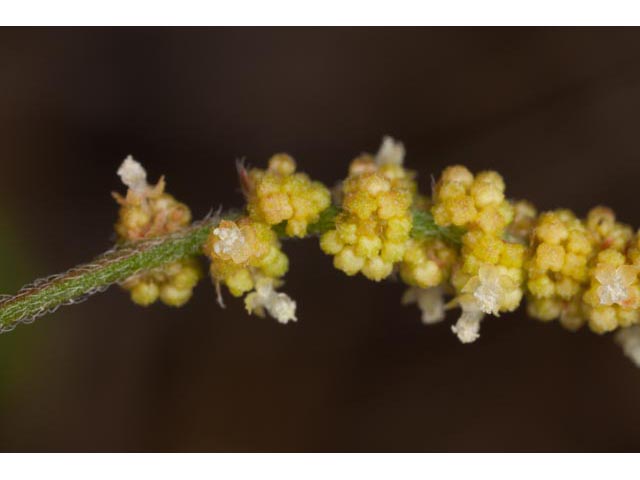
{"x":242,"y":251}
{"x":280,"y":194}
{"x":489,"y":273}
{"x":583,"y":271}
{"x":173,"y":284}
{"x":613,"y":297}
{"x":147,"y":212}
{"x":246,"y":257}
{"x":427,"y":262}
{"x":372,"y":231}
{"x":561,"y":247}
{"x":473,"y":202}
{"x":487,"y":276}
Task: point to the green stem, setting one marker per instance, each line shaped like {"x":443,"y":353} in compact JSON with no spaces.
{"x":115,"y":266}
{"x":424,"y":226}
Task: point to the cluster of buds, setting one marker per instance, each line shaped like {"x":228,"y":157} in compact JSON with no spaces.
{"x":427,"y":262}
{"x":173,"y":284}
{"x":473,"y":202}
{"x":373,"y":229}
{"x":558,"y":268}
{"x":147,"y":211}
{"x":280,"y":194}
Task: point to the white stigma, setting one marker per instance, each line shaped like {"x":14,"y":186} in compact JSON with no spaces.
{"x":279,"y":305}
{"x":230,"y":240}
{"x":429,"y":300}
{"x":467,"y":328}
{"x":629,"y":339}
{"x":613,"y":290}
{"x":488,"y":289}
{"x":391,"y":152}
{"x":488,"y":296}
{"x":133,"y":175}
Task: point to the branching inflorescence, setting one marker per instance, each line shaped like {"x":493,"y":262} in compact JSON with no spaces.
{"x":466,"y":245}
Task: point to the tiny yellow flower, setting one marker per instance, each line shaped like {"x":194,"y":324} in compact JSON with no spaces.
{"x":427,"y":262}
{"x":608,"y":234}
{"x":613,"y":297}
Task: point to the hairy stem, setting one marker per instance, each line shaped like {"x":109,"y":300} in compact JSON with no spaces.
{"x":115,"y":266}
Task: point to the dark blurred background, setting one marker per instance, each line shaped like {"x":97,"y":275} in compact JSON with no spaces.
{"x":555,"y":111}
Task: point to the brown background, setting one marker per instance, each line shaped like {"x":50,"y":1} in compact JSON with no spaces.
{"x":555,"y":111}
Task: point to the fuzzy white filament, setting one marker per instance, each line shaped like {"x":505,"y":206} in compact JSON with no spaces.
{"x":133,"y":175}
